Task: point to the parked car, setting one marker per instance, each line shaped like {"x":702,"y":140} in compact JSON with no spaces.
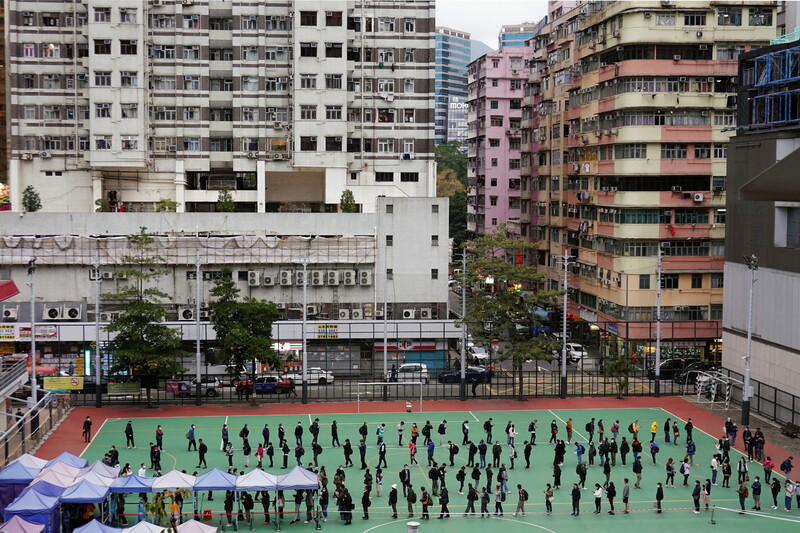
{"x":272,"y":384}
{"x":471,"y":375}
{"x":316,"y":376}
{"x":576,"y":352}
{"x":209,"y":386}
{"x":410,"y":372}
{"x":670,"y":368}
{"x":690,"y":371}
{"x":477,"y":355}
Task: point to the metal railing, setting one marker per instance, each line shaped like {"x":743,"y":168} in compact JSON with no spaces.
{"x":31,"y":427}
{"x":11,"y":370}
{"x":767,"y":401}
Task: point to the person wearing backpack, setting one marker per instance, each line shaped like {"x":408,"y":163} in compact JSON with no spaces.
{"x":426,"y":432}
{"x":444,"y":499}
{"x":624,"y":449}
{"x":453,"y":449}
{"x":786,"y":467}
{"x":590,"y":429}
{"x":579,"y":451}
{"x":472,"y":495}
{"x":743,"y":493}
{"x":611,"y":492}
{"x":411,"y":499}
{"x":512,"y":454}
{"x":686,"y":470}
{"x":425,"y":500}
{"x":522,"y":497}
{"x":442,"y":430}
{"x":317,"y":450}
{"x":499,"y":498}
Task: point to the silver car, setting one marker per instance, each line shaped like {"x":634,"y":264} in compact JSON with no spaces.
{"x":410,"y":372}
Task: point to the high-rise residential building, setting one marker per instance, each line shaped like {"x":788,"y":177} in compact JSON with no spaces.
{"x":764,"y":220}
{"x":625,"y":131}
{"x":516,"y":34}
{"x":456,"y":123}
{"x":135,"y":104}
{"x":494,"y":120}
{"x":452,"y":57}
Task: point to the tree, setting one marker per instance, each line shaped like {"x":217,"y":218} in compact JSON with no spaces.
{"x":503,"y":291}
{"x":225,"y":203}
{"x":347,"y":203}
{"x":452,"y":183}
{"x":31,"y":201}
{"x":458,"y":218}
{"x":167,"y":205}
{"x":243,"y":328}
{"x":448,"y":184}
{"x":143,"y":344}
{"x":620,"y":368}
{"x":449,"y":156}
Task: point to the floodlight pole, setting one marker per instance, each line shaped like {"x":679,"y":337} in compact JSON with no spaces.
{"x":567,"y":262}
{"x":98,"y":385}
{"x":752,"y":265}
{"x":304,"y":371}
{"x":199,"y":383}
{"x":657,"y":384}
{"x":34,"y":384}
{"x":463,"y":375}
{"x":386,"y":375}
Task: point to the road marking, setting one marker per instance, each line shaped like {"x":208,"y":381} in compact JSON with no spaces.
{"x":473,"y":416}
{"x":309,"y":418}
{"x":563,"y":422}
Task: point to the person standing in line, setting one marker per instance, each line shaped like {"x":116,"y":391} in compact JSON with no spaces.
{"x":405,"y":479}
{"x":190,"y":436}
{"x":626,"y":494}
{"x":576,"y":500}
{"x":756,"y":486}
{"x":224,"y":437}
{"x":653,"y":431}
{"x":590,"y":429}
{"x":365,"y":502}
{"x":667,"y":429}
{"x":696,"y":493}
{"x":298,"y":434}
{"x":743,"y":493}
{"x":202,"y":450}
{"x":465,"y":432}
{"x":472,"y":495}
{"x":714,"y":469}
{"x":426,"y":432}
{"x":487,"y":427}
{"x":741,"y":470}
{"x":548,"y":498}
{"x":461,"y":477}
{"x":768,"y":466}
{"x":229,"y":454}
{"x":335,"y":435}
{"x":270,"y":452}
{"x":526,"y":452}
{"x":569,"y":431}
{"x":442,"y":430}
{"x":87,"y":429}
{"x":659,"y":497}
{"x":411,"y":499}
{"x":670,"y":468}
{"x":556,"y":476}
{"x":260,"y":455}
{"x":425,"y":501}
{"x":688,"y":429}
{"x":362,"y":453}
{"x":412,"y":452}
{"x":522,"y":497}
{"x":400,"y":428}
{"x":675,"y":432}
{"x":393,"y":500}
{"x":615,"y":430}
{"x":246,"y":450}
{"x":499,"y":496}
{"x":129,"y":443}
{"x":654,"y":450}
{"x":482,"y":448}
{"x":285,"y":450}
{"x":378,"y":482}
{"x":789,"y":490}
{"x":686,"y":470}
{"x":706,"y":492}
{"x":444,"y":499}
{"x":485,"y":498}
{"x":160,"y":437}
{"x":553,"y":432}
{"x":532,"y":431}
{"x":381,"y":455}
{"x":624,"y":450}
{"x":611,"y":492}
{"x":775,"y":487}
{"x":380,"y":432}
{"x":637,"y":469}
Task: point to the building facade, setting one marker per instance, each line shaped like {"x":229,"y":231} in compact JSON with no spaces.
{"x":355,"y":264}
{"x":764,"y":220}
{"x":452,"y":57}
{"x":494,"y":120}
{"x":629,"y":110}
{"x":135,"y":104}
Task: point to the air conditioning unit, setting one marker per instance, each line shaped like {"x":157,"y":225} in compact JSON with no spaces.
{"x":72,"y":313}
{"x":53,"y":312}
{"x":717,"y":188}
{"x":647,"y":14}
{"x":682,"y":79}
{"x":576,"y":167}
{"x":107,"y":317}
{"x":312,"y":310}
{"x":286,"y":277}
{"x":253,"y":278}
{"x":268,"y":280}
{"x":409,"y":313}
{"x":172,"y":148}
{"x":205,"y":315}
{"x":278,"y":125}
{"x":365,"y":277}
{"x":122,"y":275}
{"x":613,"y":189}
{"x":332,"y":277}
{"x":705,"y":244}
{"x":704,"y":113}
{"x":425,"y":312}
{"x":348,"y":277}
{"x":668,"y":212}
{"x":703,"y":47}
{"x":299,"y":278}
{"x":188,"y":2}
{"x":277,"y":157}
{"x":379,"y":312}
{"x":679,"y":308}
{"x":677,"y":188}
{"x":107,"y":275}
{"x":27,"y":157}
{"x":665,"y":244}
{"x":603,"y":64}
{"x":45,"y":154}
{"x":698,"y":197}
{"x":605,"y":189}
{"x":344,"y":314}
{"x":10,"y":312}
{"x":252,"y":155}
{"x":357,"y":314}
{"x":317,"y":278}
{"x":280,"y":306}
{"x":185,"y":314}
{"x":676,"y":57}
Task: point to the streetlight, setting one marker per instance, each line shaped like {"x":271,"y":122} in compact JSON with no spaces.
{"x":657,"y":390}
{"x":567,"y":261}
{"x":463,"y":375}
{"x":752,"y":265}
{"x":304,"y":370}
{"x":198,"y":383}
{"x":34,"y":384}
{"x":98,"y":387}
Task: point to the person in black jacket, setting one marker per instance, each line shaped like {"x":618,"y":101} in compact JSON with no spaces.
{"x":362,"y":452}
{"x":298,"y":434}
{"x":265,"y":502}
{"x":624,"y":450}
{"x":611,"y":492}
{"x":444,"y":499}
{"x":393,"y":500}
{"x":576,"y":500}
{"x":405,"y":479}
{"x":365,"y":502}
{"x":348,"y":506}
{"x":202,"y":450}
{"x":659,"y":497}
{"x":335,"y":434}
{"x":348,"y":453}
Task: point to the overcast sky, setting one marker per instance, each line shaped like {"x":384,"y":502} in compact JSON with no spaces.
{"x":483,"y":18}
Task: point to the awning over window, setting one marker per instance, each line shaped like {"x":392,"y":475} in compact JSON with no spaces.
{"x":7,"y":290}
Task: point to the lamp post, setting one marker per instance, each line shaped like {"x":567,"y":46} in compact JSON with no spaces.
{"x":198,"y":381}
{"x":34,"y":384}
{"x":657,"y":390}
{"x":752,"y":265}
{"x":386,"y":375}
{"x":304,"y":370}
{"x":627,"y":312}
{"x":98,"y":386}
{"x":463,"y":375}
{"x":567,"y":262}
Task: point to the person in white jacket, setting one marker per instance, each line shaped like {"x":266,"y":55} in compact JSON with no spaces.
{"x":598,"y":497}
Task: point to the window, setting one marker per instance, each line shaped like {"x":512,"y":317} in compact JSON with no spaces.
{"x":389,"y":274}
{"x":102,"y":142}
{"x":308,"y":112}
{"x":493,"y":201}
{"x":52,"y":112}
{"x":434,"y":273}
{"x":191,"y":83}
{"x":129,"y":79}
{"x":697,"y":281}
{"x":102,"y":46}
{"x":409,"y":25}
{"x":29,"y":112}
{"x":249,"y":22}
{"x":129,"y":142}
{"x":408,"y":146}
{"x":163,"y":51}
{"x":250,"y":83}
{"x":163,"y":21}
{"x":27,"y":18}
{"x":384,"y":176}
{"x":51,"y":81}
{"x":167,"y":83}
{"x":644,"y":281}
{"x":720,"y":215}
{"x":191,"y":52}
{"x":333,"y":144}
{"x":220,"y":84}
{"x":102,"y":79}
{"x":129,"y":110}
{"x":249,"y":114}
{"x":308,"y":18}
{"x":702,"y":151}
{"x":333,"y":18}
{"x":630,"y":151}
{"x":250,"y":53}
{"x":717,"y":280}
{"x":694,"y":19}
{"x":308,"y":81}
{"x":28,"y":50}
{"x":385,"y":146}
{"x":191,"y":113}
{"x":760,"y":16}
{"x":308,"y":144}
{"x":128,"y":47}
{"x":221,"y":144}
{"x":100,"y":110}
{"x":673,"y":151}
{"x":665,"y":19}
{"x":191,"y":22}
{"x":53,"y":143}
{"x":333,"y":112}
{"x":408,"y":55}
{"x":409,"y":177}
{"x":102,"y":14}
{"x":724,"y":118}
{"x":494,"y":142}
{"x":220,"y":54}
{"x":386,"y":115}
{"x":386,"y":55}
{"x":308,"y":49}
{"x":720,"y":151}
{"x":669,"y":281}
{"x":221,"y":24}
{"x":164,"y":113}
{"x":333,"y":49}
{"x":390,"y":240}
{"x":333,"y":81}
{"x":385,"y":24}
{"x":385,"y":85}
{"x":127,"y":15}
{"x":51,"y":50}
{"x":191,"y":144}
{"x":494,"y":161}
{"x":494,"y":104}
{"x":729,"y":16}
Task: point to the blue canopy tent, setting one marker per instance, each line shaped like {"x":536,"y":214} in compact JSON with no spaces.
{"x":257,"y":480}
{"x":215,"y":479}
{"x":93,"y":526}
{"x":13,"y":480}
{"x":102,"y":469}
{"x":70,"y":459}
{"x":48,"y":489}
{"x":298,"y":478}
{"x":36,"y":507}
{"x":132,"y":483}
{"x":20,"y":525}
{"x":31,"y":461}
{"x":84,"y":492}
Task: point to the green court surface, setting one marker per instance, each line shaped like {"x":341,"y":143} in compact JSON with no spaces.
{"x":677,"y":502}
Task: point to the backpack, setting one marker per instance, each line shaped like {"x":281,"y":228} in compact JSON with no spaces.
{"x":412,"y":497}
{"x":682,"y":469}
{"x":515,"y":454}
{"x":502,"y":496}
{"x":455,"y":449}
{"x":784,"y":464}
{"x":241,"y":433}
{"x":524,"y":495}
{"x":588,"y":426}
{"x":187,"y":434}
{"x":378,"y":431}
{"x":630,"y":428}
{"x":746,"y":492}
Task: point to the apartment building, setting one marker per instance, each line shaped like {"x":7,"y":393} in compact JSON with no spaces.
{"x":494,"y":121}
{"x":628,"y":114}
{"x":135,"y":104}
{"x":452,"y":57}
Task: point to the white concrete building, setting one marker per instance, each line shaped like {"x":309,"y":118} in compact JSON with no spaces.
{"x":285,"y":104}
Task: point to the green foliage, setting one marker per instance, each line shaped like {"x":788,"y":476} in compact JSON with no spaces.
{"x":225,"y":203}
{"x":458,"y":218}
{"x":103,"y":205}
{"x":452,"y":183}
{"x":142,"y":343}
{"x":31,"y":201}
{"x":166,"y":205}
{"x":347,"y":203}
{"x":450,"y":156}
{"x":620,"y":368}
{"x":500,"y":291}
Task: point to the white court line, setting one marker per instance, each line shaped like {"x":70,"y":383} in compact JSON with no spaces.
{"x":309,"y":418}
{"x":759,"y":514}
{"x":96,"y":434}
{"x":473,"y":416}
{"x":563,"y":422}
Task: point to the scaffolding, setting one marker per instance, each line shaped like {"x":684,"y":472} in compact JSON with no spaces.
{"x":776,"y":99}
{"x":184,"y":250}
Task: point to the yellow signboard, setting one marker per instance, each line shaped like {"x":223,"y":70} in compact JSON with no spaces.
{"x":327,"y":331}
{"x":64,"y":383}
